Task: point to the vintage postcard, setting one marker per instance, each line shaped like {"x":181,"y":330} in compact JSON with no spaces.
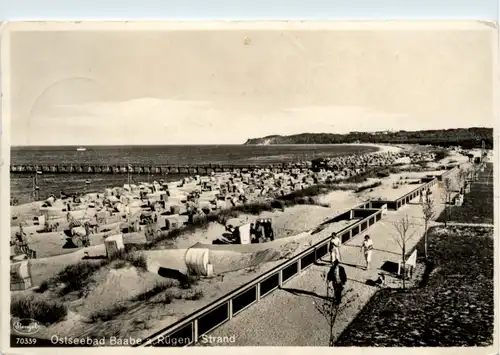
{"x":240,"y":184}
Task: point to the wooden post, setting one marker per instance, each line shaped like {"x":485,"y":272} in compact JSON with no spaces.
{"x":195,"y":331}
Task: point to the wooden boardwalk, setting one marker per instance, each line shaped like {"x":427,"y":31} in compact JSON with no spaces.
{"x":301,"y":324}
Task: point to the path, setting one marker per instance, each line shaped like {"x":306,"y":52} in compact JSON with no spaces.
{"x":287,"y":317}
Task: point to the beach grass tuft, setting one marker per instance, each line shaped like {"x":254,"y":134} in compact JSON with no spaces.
{"x":163,"y":292}
{"x":368,"y":186}
{"x":108,"y":314}
{"x":38,"y":308}
{"x":133,"y":258}
{"x":76,"y":276}
{"x":158,"y":288}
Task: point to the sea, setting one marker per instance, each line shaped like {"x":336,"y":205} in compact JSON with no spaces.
{"x":21,"y":185}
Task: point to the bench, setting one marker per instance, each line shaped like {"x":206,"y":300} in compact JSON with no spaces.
{"x":409,"y":264}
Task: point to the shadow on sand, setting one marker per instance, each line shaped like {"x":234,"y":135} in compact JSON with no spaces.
{"x":322,"y":263}
{"x":297,"y":292}
{"x":390,"y":267}
{"x":361,"y":267}
{"x":173,"y":274}
{"x":69,"y":244}
{"x":94,"y":257}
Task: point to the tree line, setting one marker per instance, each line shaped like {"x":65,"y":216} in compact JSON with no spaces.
{"x":467,"y":138}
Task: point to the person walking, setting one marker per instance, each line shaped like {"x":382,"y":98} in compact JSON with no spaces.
{"x":335,"y":247}
{"x":338,"y":277}
{"x":366,"y":249}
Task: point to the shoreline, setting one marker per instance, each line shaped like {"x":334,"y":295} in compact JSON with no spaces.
{"x":81,"y":177}
{"x":383,"y":148}
{"x":179,"y":145}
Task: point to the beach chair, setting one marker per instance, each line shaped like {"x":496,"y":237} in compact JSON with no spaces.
{"x":406,"y":268}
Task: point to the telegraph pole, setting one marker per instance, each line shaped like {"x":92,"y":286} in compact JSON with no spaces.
{"x":483,"y":150}
{"x":36,"y":188}
{"x":128,"y":175}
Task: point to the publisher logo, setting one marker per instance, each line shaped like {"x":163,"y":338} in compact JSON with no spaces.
{"x":25,"y":326}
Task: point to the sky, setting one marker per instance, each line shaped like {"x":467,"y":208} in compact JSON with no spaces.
{"x":225,"y":86}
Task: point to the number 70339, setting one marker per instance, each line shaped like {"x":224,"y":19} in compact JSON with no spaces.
{"x":25,"y":341}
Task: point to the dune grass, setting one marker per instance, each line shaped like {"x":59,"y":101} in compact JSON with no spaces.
{"x":164,"y":292}
{"x":306,"y":196}
{"x":75,"y":277}
{"x":369,"y":186}
{"x":440,"y":154}
{"x":40,"y":309}
{"x":108,"y":313}
{"x":124,"y":259}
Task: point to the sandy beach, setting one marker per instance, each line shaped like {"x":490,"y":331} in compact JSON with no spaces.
{"x":233,"y":265}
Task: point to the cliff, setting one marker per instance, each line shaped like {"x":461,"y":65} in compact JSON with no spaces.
{"x":465,"y":137}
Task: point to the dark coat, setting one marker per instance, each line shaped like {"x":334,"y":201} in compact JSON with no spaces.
{"x":331,"y":275}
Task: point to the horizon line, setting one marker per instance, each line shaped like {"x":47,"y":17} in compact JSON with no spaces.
{"x":267,"y":136}
{"x":173,"y":145}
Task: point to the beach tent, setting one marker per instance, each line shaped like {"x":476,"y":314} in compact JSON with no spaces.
{"x":245,"y":233}
{"x":101,"y":217}
{"x":40,"y":220}
{"x":175,"y":209}
{"x":114,"y":245}
{"x":175,"y":221}
{"x":197,"y":261}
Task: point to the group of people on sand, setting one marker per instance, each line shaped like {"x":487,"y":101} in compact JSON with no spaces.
{"x":260,"y":232}
{"x":337,"y":275}
{"x":366,"y":249}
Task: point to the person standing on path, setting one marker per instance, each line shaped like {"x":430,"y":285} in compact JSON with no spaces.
{"x":366,"y":249}
{"x":337,"y":276}
{"x":335,"y":248}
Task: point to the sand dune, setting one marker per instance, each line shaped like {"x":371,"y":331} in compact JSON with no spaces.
{"x":227,"y":258}
{"x":45,"y":268}
{"x":113,"y":286}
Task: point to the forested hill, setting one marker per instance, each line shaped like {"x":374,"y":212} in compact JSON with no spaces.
{"x":465,"y":137}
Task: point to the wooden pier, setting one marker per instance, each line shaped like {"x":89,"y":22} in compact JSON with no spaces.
{"x":146,"y":169}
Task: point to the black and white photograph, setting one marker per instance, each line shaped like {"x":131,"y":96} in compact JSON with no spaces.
{"x":230,"y":184}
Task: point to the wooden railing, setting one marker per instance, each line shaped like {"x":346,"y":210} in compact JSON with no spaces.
{"x":189,"y":329}
{"x":403,"y":200}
